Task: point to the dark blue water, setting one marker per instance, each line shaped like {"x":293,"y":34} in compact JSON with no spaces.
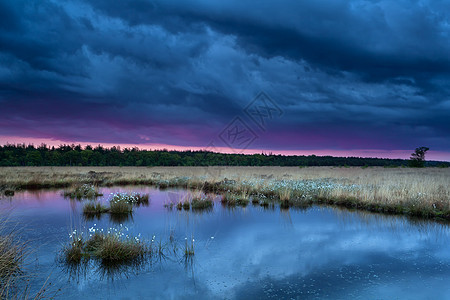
{"x":242,"y":253}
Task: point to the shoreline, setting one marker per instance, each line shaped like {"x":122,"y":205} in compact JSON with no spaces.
{"x":420,"y":193}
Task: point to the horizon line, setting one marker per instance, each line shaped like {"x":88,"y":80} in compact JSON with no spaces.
{"x":402,"y":154}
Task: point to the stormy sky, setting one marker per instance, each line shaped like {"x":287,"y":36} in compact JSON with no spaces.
{"x":288,"y":76}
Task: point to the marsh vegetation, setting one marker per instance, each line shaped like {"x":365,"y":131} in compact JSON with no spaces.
{"x":417,"y":192}
{"x":82,"y":191}
{"x":119,"y":204}
{"x":422,"y":193}
{"x":111,"y":247}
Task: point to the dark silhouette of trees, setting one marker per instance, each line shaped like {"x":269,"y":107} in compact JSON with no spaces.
{"x":75,"y":155}
{"x":417,"y":159}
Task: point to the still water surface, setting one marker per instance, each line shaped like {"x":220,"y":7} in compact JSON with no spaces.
{"x":243,"y":253}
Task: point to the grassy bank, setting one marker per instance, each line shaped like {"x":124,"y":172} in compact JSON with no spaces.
{"x":418,"y":192}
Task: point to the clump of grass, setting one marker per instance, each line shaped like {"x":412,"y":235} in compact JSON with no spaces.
{"x":285,"y":196}
{"x":131,"y":198}
{"x":120,"y":207}
{"x":94,"y":208}
{"x":202,"y":202}
{"x":232,"y":199}
{"x":122,"y":203}
{"x":259,"y":199}
{"x":243,"y":199}
{"x":85,"y":191}
{"x":14,"y":281}
{"x":163,"y":185}
{"x":11,"y":258}
{"x":186,"y":205}
{"x":119,"y":204}
{"x":110,"y":247}
{"x":74,"y":252}
{"x":228,"y":199}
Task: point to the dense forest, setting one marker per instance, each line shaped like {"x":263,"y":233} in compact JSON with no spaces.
{"x":76,"y":155}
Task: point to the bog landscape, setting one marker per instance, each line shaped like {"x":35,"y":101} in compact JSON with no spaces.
{"x":96,"y":230}
{"x":195,"y":149}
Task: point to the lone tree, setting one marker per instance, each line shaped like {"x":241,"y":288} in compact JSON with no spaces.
{"x":417,"y":159}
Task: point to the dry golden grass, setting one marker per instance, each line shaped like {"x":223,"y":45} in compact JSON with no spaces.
{"x":11,"y":258}
{"x":425,"y":189}
{"x":13,"y":277}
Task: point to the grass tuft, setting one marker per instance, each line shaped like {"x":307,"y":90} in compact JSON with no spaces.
{"x":200,"y":203}
{"x":120,"y":207}
{"x":85,"y":191}
{"x":186,"y":205}
{"x":131,"y":198}
{"x":11,"y":258}
{"x":233,"y":199}
{"x":109,"y":247}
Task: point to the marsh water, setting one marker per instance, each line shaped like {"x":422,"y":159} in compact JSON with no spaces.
{"x":240,"y":253}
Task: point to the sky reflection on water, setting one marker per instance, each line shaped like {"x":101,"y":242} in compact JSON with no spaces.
{"x":250,"y":252}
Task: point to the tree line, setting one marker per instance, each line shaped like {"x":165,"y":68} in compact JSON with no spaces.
{"x":76,"y":155}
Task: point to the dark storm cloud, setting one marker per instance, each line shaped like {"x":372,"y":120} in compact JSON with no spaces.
{"x":347,"y":74}
{"x":380,"y":39}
